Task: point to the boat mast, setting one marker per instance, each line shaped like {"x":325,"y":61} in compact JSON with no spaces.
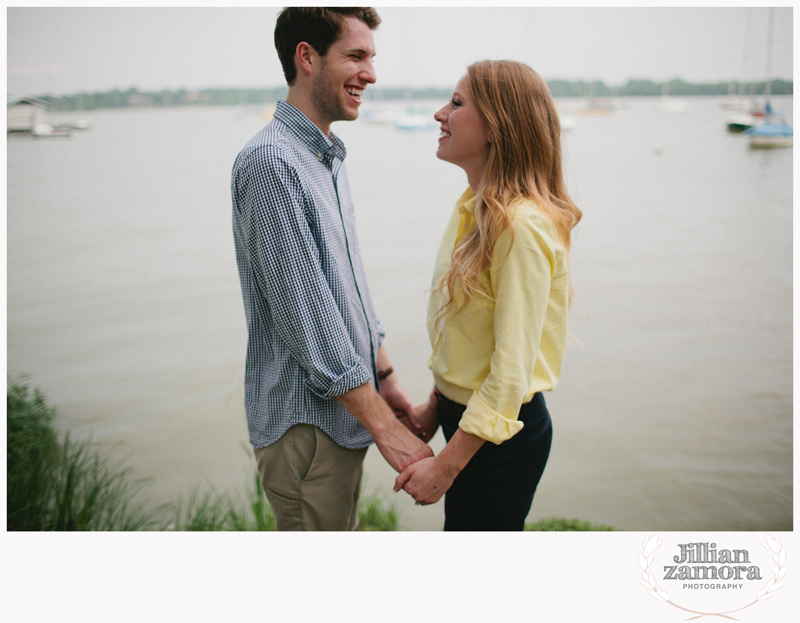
{"x":746,"y":54}
{"x":768,"y":83}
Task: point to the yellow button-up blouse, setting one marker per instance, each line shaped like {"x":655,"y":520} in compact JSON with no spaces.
{"x":494,"y":355}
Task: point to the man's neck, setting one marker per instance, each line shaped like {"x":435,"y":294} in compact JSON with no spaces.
{"x":302,"y":101}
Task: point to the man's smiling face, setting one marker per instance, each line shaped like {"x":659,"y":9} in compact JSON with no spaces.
{"x":344,"y":73}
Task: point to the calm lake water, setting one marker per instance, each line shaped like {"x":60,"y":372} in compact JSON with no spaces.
{"x":674,"y":412}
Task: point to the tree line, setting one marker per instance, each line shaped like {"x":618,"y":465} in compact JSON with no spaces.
{"x":246,"y":97}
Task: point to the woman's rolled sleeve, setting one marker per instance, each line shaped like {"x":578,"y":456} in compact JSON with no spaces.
{"x":481,"y":420}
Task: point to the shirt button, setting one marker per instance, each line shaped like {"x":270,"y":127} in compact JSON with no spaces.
{"x":319,"y":154}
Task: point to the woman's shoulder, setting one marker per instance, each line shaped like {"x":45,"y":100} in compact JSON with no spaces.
{"x":528,"y":218}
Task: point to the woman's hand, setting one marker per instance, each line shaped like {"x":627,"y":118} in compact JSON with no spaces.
{"x":426,"y":480}
{"x":395,"y":396}
{"x":427,"y":418}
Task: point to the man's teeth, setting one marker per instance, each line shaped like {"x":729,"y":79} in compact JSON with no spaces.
{"x":354,"y":92}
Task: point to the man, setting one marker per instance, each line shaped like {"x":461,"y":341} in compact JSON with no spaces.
{"x":314,"y":354}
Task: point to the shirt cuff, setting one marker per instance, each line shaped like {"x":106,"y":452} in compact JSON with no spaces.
{"x":333,"y":387}
{"x":481,"y":420}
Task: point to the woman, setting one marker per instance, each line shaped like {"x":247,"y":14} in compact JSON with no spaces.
{"x":498,"y":312}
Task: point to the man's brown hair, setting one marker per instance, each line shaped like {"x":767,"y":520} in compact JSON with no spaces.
{"x":320,"y":27}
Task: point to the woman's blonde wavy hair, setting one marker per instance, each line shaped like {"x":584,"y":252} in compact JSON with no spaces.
{"x":524,"y":162}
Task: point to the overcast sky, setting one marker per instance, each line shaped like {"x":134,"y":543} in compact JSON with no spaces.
{"x":64,"y":50}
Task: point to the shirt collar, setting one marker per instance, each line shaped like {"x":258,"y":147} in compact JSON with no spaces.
{"x":466,"y":202}
{"x":307,"y":133}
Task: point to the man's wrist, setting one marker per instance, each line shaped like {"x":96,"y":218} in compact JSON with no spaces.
{"x":368,"y":408}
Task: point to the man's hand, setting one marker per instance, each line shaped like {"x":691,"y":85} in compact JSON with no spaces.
{"x":396,"y":443}
{"x":426,"y":481}
{"x":400,"y":447}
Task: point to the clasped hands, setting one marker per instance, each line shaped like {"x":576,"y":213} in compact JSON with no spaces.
{"x":426,"y":479}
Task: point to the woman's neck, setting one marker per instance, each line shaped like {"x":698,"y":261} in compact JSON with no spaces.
{"x":474,"y":178}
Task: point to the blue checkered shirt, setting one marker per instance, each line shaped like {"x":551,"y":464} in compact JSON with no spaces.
{"x":312,"y":330}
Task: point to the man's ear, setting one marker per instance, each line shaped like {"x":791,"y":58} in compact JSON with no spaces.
{"x":306,"y":57}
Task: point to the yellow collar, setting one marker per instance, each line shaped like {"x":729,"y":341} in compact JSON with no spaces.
{"x":466,"y":201}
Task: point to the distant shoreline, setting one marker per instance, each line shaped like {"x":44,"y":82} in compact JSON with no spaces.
{"x":133,"y":98}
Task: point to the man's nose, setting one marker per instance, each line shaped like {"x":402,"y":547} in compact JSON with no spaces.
{"x":368,"y":73}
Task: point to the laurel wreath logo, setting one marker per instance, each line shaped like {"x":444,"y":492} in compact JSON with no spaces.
{"x":648,"y":580}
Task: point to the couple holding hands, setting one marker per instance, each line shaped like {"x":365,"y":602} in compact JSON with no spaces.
{"x":319,"y":386}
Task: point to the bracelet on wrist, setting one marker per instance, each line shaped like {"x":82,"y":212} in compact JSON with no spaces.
{"x":382,"y":374}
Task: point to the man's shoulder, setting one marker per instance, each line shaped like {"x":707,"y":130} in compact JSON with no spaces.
{"x":273,"y":146}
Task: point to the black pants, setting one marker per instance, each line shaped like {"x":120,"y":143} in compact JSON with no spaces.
{"x":495,"y":490}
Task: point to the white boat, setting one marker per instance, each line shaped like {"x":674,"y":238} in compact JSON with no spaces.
{"x":742,"y":122}
{"x":45,"y":130}
{"x":417,"y":119}
{"x":567,"y":122}
{"x":671,"y":105}
{"x":380,"y":115}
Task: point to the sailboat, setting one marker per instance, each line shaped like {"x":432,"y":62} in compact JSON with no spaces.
{"x":596,"y":107}
{"x":774,"y":132}
{"x":671,"y":105}
{"x":737,"y":103}
{"x":742,"y":122}
{"x":415,"y":117}
{"x":748,"y":114}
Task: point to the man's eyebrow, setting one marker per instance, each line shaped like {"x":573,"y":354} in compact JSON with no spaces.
{"x":358,"y":51}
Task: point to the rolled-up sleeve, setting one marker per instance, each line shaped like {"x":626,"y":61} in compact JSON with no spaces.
{"x":288,"y":274}
{"x":520,"y":281}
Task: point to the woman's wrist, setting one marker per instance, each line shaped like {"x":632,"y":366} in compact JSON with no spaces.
{"x":447,"y":467}
{"x":458,"y":452}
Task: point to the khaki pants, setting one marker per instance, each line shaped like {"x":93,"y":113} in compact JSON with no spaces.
{"x":311,"y":482}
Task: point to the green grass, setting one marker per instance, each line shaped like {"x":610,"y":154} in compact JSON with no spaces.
{"x":558,"y":524}
{"x":212,"y":511}
{"x":376,"y":515}
{"x":61,"y":484}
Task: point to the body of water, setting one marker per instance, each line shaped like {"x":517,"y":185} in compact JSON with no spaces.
{"x":675,"y":408}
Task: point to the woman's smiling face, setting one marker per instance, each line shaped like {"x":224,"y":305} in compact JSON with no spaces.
{"x":464,"y":138}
